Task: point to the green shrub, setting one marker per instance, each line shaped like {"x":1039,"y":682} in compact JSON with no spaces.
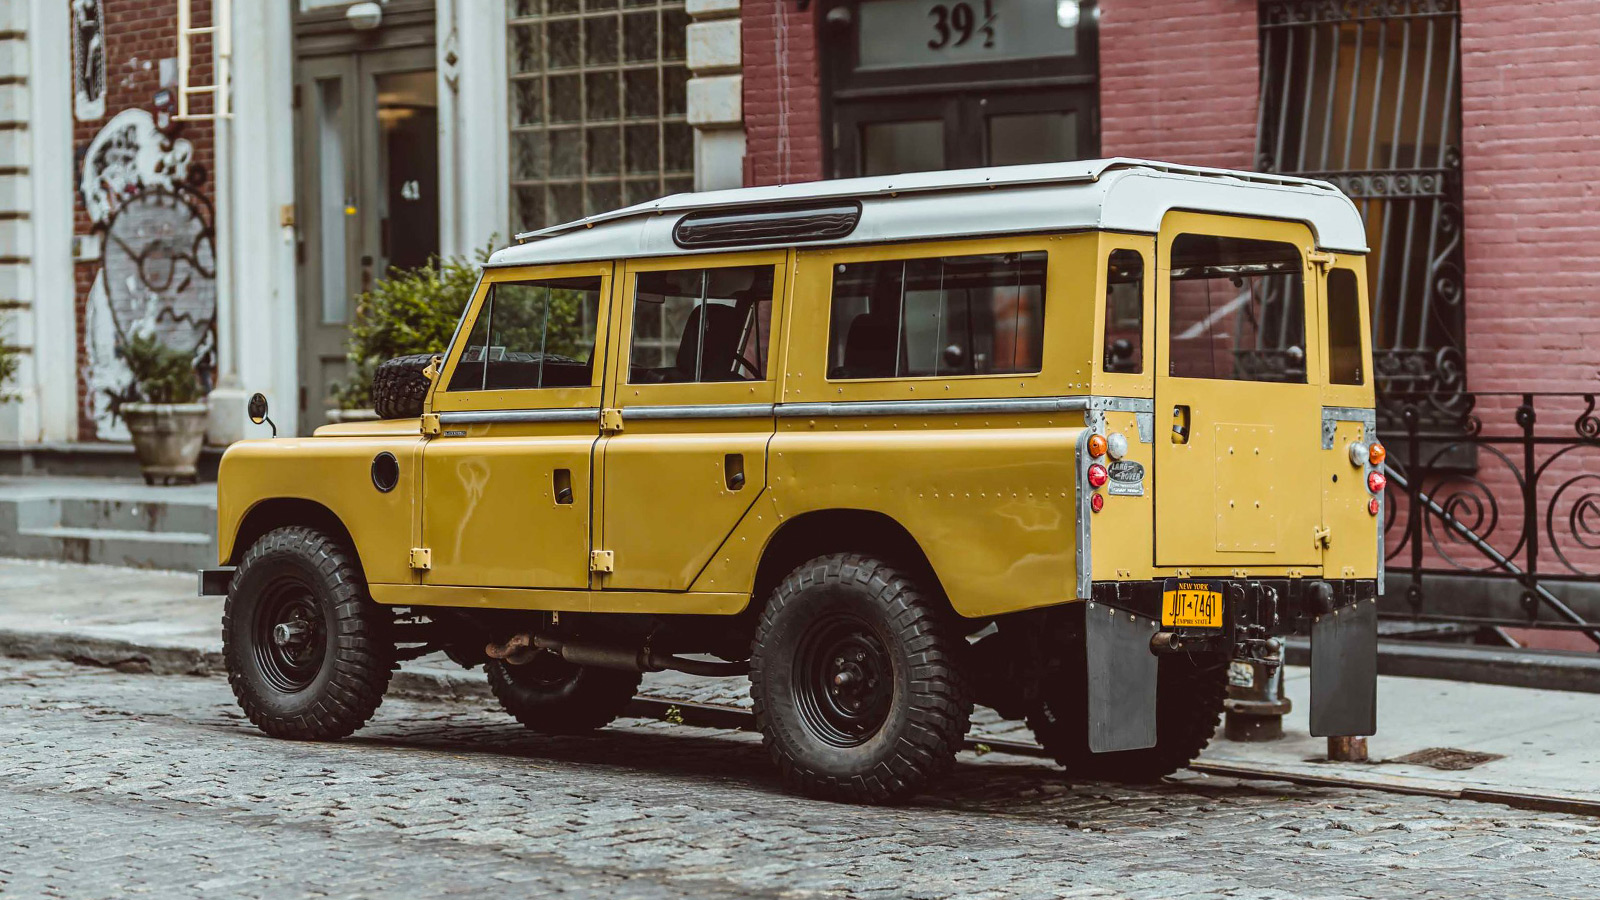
{"x":161,"y":374}
{"x":10,"y":358}
{"x":408,"y":311}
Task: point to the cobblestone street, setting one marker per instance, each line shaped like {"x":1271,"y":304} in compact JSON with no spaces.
{"x":121,"y":785}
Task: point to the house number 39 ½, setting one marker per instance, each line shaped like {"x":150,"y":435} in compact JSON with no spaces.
{"x":955,"y":24}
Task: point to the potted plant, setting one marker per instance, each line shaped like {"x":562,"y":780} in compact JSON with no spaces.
{"x":168,"y":420}
{"x":409,"y":312}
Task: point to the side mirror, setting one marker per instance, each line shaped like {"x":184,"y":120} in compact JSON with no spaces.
{"x":257,"y":410}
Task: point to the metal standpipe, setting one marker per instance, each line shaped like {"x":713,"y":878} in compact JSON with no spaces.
{"x":1256,"y":704}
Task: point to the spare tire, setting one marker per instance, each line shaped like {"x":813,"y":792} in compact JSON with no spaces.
{"x":399,"y":386}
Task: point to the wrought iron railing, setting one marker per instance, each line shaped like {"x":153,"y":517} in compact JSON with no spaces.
{"x":1523,"y":524}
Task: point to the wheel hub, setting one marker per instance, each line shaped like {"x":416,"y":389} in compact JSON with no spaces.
{"x":845,"y":682}
{"x":291,"y":637}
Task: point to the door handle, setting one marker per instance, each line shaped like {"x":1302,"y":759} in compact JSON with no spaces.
{"x":561,"y":481}
{"x":1180,"y":424}
{"x":733,"y":471}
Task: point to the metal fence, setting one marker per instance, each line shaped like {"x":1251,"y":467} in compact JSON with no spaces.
{"x":1522,"y":524}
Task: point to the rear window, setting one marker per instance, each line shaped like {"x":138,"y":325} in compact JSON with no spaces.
{"x":1344,"y":328}
{"x":938,"y":317}
{"x":1238,"y":310}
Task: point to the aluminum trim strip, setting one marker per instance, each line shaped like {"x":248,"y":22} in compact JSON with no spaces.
{"x":1123,"y":404}
{"x":932,"y":407}
{"x":1367,"y":418}
{"x":699,"y":411}
{"x":514,"y":416}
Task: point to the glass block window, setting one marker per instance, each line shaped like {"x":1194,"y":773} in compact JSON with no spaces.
{"x":598,"y":107}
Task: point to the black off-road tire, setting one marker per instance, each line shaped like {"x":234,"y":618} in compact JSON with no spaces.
{"x":852,"y":615}
{"x":399,"y":387}
{"x":1190,"y":689}
{"x":552,"y":696}
{"x":329,"y":680}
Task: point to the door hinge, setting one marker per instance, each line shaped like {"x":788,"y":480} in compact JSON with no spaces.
{"x":421,"y":559}
{"x":1321,"y":536}
{"x":602,"y":561}
{"x":1320,"y":258}
{"x":610,"y":421}
{"x":430,"y":424}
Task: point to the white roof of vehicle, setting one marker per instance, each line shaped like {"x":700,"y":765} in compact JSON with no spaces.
{"x":1128,"y":195}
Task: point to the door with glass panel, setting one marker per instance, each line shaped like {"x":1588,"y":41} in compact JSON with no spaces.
{"x":695,"y":379}
{"x":368,"y":179}
{"x":506,"y":484}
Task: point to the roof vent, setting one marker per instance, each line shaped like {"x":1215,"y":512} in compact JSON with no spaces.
{"x":773,"y":225}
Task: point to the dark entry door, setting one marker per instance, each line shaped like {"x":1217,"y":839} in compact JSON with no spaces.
{"x":368,"y":195}
{"x":964,"y":130}
{"x":916,"y":85}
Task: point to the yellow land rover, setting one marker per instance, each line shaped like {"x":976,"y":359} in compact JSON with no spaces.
{"x":1064,"y":440}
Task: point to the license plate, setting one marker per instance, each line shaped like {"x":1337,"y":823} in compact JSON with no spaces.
{"x":1191,"y":603}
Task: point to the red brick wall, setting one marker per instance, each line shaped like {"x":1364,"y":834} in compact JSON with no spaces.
{"x":1530,"y":97}
{"x":138,"y":34}
{"x":1178,"y":80}
{"x":782,"y":95}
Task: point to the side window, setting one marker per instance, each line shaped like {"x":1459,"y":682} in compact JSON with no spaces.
{"x":1124,"y":351}
{"x":532,"y":334}
{"x":1344,"y":328}
{"x":941,"y":316}
{"x":701,"y":325}
{"x":1238,"y":310}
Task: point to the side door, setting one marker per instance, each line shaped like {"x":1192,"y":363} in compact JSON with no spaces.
{"x":506,"y":482}
{"x":693,"y":381}
{"x":1238,"y":396}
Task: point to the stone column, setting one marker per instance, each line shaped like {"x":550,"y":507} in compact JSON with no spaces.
{"x":716,"y":93}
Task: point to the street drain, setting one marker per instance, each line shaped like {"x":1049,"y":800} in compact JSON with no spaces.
{"x":1446,"y":758}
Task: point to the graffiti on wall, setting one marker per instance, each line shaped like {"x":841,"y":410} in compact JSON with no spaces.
{"x":158,"y":264}
{"x":88,"y":61}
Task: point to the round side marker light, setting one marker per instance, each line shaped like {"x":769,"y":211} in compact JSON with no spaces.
{"x":1375,"y":482}
{"x":1376,"y":454}
{"x":1097,"y":502}
{"x":1372,"y":506}
{"x":1097,"y":445}
{"x":1097,"y":475}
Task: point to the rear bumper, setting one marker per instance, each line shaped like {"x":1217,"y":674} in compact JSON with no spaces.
{"x":1265,"y":607}
{"x":214,"y":582}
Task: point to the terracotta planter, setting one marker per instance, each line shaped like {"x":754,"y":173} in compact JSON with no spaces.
{"x":167,"y":439}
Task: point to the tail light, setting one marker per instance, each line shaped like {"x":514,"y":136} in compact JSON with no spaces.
{"x":1097,"y":475}
{"x":1097,"y":502}
{"x":1376,"y":481}
{"x":1372,"y":506}
{"x":1376,"y":454}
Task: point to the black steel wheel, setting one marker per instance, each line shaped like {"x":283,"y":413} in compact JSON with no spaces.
{"x":1190,"y":689}
{"x":307,"y":651}
{"x":547,"y":694}
{"x":853,"y":672}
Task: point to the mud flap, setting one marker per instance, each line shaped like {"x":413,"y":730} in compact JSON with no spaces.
{"x":1344,"y":671}
{"x":1122,"y":679}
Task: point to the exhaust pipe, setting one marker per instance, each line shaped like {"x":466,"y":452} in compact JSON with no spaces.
{"x":522,"y":649}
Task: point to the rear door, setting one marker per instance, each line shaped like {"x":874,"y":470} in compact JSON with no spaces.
{"x":692,"y":385}
{"x":1238,"y":404}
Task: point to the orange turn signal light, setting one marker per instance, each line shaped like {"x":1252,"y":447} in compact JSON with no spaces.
{"x":1376,"y":454}
{"x":1097,"y":445}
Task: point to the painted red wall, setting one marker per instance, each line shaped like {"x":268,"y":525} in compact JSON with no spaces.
{"x":1530,"y":110}
{"x":782,"y":95}
{"x":1178,"y":80}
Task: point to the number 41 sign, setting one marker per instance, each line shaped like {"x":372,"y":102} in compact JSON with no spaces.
{"x":897,"y":34}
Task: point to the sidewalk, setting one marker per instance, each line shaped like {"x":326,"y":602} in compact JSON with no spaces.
{"x":1548,"y":741}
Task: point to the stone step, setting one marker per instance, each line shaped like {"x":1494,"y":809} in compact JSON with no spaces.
{"x":180,"y":550}
{"x":108,"y":522}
